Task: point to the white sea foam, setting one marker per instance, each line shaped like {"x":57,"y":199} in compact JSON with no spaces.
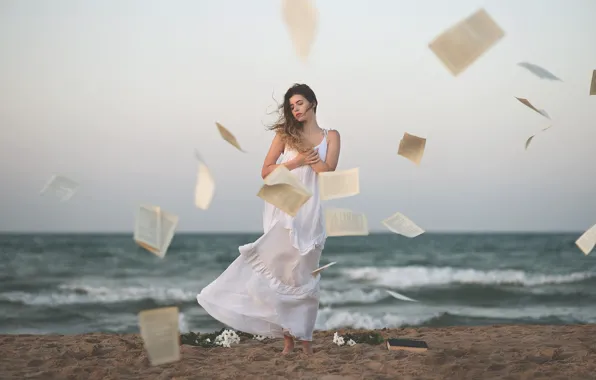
{"x":329,"y":319}
{"x":358,"y":296}
{"x":419,"y":276}
{"x":87,"y":294}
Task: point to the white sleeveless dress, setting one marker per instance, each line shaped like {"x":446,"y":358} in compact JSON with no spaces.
{"x":269,"y":289}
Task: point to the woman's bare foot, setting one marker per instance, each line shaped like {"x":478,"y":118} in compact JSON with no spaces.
{"x":307,"y":347}
{"x":288,"y":345}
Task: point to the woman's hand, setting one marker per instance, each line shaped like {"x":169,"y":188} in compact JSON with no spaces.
{"x":310,"y":157}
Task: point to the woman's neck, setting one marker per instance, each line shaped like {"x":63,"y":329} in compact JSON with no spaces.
{"x":310,"y":126}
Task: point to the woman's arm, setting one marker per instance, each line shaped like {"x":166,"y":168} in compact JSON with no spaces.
{"x":275,"y":150}
{"x":333,"y":148}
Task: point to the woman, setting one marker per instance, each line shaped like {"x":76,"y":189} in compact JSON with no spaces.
{"x":269,"y":289}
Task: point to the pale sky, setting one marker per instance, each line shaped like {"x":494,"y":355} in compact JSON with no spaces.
{"x":117,"y":94}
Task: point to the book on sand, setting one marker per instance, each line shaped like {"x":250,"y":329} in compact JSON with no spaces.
{"x":407,"y":344}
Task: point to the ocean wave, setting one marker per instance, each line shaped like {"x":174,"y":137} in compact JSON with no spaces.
{"x":182,"y":323}
{"x":571,"y":314}
{"x":353,"y":296}
{"x":419,"y":276}
{"x":329,"y":319}
{"x":68,"y":294}
{"x":358,"y":296}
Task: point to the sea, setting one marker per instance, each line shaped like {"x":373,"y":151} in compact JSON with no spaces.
{"x":72,"y":284}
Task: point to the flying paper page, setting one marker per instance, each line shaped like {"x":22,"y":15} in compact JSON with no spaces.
{"x":301,"y":19}
{"x":527,"y":103}
{"x":587,"y":241}
{"x":540,"y":72}
{"x":339,"y":184}
{"x":148,"y":228}
{"x":593,"y":86}
{"x":399,"y":296}
{"x":284,"y":190}
{"x":154,"y":229}
{"x":344,"y":222}
{"x":62,"y":187}
{"x":205,"y":187}
{"x":228,"y":136}
{"x":529,"y":140}
{"x":169,"y":222}
{"x":161,"y":335}
{"x":318,"y":270}
{"x":412,"y":148}
{"x":462,"y":44}
{"x":401,"y":224}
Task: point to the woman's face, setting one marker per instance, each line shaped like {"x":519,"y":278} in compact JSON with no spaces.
{"x":301,"y":108}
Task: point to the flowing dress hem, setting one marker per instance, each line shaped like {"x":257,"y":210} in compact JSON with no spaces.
{"x":278,"y":332}
{"x":251,"y":257}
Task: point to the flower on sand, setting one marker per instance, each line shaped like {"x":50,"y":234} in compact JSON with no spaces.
{"x":227,"y":338}
{"x":337,"y":339}
{"x":340,"y":341}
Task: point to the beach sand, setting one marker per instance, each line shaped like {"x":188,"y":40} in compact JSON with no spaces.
{"x":487,"y":352}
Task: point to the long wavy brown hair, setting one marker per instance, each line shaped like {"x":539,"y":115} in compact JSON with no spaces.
{"x":286,"y":125}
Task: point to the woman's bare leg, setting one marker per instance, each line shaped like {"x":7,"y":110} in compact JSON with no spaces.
{"x":288,"y":345}
{"x":307,"y":347}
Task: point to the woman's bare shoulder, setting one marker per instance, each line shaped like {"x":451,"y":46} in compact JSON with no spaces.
{"x":278,"y":142}
{"x":333,"y":133}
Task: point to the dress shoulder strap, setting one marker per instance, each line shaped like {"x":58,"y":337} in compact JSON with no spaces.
{"x":326,"y":132}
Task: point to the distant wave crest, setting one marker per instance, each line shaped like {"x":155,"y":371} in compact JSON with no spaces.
{"x":419,"y":276}
{"x":69,"y":294}
{"x":329,"y":319}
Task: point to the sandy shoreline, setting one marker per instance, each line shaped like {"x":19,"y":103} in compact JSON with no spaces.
{"x":487,"y":352}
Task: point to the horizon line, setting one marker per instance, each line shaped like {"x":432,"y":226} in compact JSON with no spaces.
{"x":372,"y":232}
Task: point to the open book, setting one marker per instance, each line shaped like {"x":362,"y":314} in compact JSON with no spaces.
{"x":319,"y":270}
{"x":539,"y":71}
{"x":344,"y":222}
{"x":529,"y":140}
{"x":339,"y":184}
{"x":205,"y":186}
{"x":463,"y":43}
{"x":587,"y":241}
{"x":301,"y":18}
{"x":160,"y":334}
{"x":401,"y":224}
{"x":228,"y":136}
{"x":154,"y":229}
{"x":284,"y":190}
{"x":527,"y":103}
{"x":399,"y":296}
{"x":62,"y":187}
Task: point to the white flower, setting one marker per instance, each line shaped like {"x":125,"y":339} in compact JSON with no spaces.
{"x":259,"y":337}
{"x":351,"y":342}
{"x":335,"y":336}
{"x":337,"y":339}
{"x":208,"y":340}
{"x":227,"y":338}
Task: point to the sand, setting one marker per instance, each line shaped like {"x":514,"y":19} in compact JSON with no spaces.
{"x":488,"y":352}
